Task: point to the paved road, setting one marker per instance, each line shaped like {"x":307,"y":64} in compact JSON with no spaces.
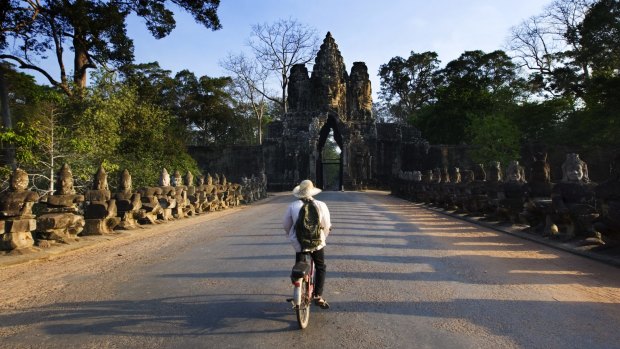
{"x":398,"y":276}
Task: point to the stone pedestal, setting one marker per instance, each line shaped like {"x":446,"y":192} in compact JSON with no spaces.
{"x":62,"y":227}
{"x":100,"y":226}
{"x":17,"y":233}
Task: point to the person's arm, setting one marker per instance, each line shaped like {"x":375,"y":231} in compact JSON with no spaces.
{"x":287,"y":222}
{"x":326,"y":222}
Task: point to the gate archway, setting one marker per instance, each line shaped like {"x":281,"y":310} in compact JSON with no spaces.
{"x":322,"y":164}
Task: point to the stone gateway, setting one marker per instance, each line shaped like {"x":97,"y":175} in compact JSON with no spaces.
{"x":331,"y":100}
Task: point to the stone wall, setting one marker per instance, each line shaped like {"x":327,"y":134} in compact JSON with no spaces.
{"x":234,"y":161}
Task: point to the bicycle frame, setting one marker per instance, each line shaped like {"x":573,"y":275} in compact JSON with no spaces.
{"x":302,"y":278}
{"x":301,"y":298}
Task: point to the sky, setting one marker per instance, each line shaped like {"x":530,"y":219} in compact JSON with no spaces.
{"x":369,"y":31}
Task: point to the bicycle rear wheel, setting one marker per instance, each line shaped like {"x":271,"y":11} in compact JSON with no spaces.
{"x":303,"y":311}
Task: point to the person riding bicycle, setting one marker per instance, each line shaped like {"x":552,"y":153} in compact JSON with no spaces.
{"x":305,"y":192}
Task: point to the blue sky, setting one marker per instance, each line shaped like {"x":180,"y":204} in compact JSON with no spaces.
{"x":368,"y":31}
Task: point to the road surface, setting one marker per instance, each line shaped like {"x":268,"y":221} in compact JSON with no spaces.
{"x":399,"y":276}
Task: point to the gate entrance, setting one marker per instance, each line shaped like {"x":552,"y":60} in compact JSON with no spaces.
{"x":329,"y":164}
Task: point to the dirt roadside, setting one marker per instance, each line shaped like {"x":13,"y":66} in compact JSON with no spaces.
{"x":36,"y":278}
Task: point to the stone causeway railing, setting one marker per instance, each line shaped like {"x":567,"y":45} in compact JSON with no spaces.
{"x":28,"y":220}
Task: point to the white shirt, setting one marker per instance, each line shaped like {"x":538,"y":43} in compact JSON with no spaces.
{"x":291,"y":217}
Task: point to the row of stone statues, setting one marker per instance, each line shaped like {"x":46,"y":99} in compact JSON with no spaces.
{"x":65,"y":214}
{"x":574,"y":208}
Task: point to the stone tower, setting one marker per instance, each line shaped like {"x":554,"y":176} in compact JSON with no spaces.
{"x":329,"y":99}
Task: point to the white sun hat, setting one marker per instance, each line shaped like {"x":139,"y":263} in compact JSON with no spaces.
{"x":305,"y":189}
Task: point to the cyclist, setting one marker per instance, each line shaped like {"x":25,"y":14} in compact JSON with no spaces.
{"x":306,"y":190}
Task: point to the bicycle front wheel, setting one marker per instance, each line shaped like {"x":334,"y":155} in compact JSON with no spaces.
{"x":303,"y":310}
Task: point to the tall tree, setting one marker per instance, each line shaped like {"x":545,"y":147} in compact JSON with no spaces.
{"x":281,"y":45}
{"x":549,"y":46}
{"x":409,"y":84}
{"x":94,"y":30}
{"x":474,"y":86}
{"x":250,"y":86}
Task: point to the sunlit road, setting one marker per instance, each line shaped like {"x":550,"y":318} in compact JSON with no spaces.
{"x":398,"y":276}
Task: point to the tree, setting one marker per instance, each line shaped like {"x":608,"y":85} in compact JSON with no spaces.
{"x":279,"y":46}
{"x":495,"y":138}
{"x":250,"y":86}
{"x":549,"y":45}
{"x":94,"y":30}
{"x":409,"y":84}
{"x":599,"y":36}
{"x":475,"y":85}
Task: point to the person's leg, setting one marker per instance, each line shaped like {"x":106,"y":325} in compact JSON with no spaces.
{"x":319,"y":264}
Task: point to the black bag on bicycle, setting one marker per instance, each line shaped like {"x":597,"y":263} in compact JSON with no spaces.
{"x":308,"y":226}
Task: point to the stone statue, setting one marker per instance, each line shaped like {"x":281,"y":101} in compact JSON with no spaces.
{"x":151,"y":209}
{"x":167,"y":198}
{"x":537,"y":208}
{"x":182,"y":209}
{"x":100,"y":211}
{"x":16,"y":219}
{"x":511,"y":195}
{"x":493,"y":188}
{"x":478,"y":200}
{"x":608,"y":198}
{"x":128,"y":203}
{"x":462,"y":190}
{"x":573,"y":202}
{"x":211,"y":202}
{"x":60,"y":220}
{"x":193,"y":195}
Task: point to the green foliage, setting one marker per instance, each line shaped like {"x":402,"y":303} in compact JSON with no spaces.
{"x":495,"y":138}
{"x":474,"y":86}
{"x":407,"y":85}
{"x":95,"y":31}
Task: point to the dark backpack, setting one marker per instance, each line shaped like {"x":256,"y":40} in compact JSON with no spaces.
{"x":308,"y":226}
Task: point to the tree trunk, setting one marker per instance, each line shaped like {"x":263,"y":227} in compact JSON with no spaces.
{"x":9,"y":151}
{"x":284,"y":85}
{"x":80,"y":62}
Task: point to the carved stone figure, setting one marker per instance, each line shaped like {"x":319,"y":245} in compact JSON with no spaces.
{"x":573,"y":202}
{"x":537,"y":208}
{"x":608,"y":199}
{"x":167,"y":198}
{"x":128,"y":203}
{"x":100,"y":211}
{"x":494,"y":185}
{"x":16,"y":219}
{"x":462,"y":191}
{"x":60,"y":220}
{"x":183,"y":208}
{"x":193,"y":195}
{"x":478,"y":200}
{"x":512,"y":193}
{"x":150,"y":209}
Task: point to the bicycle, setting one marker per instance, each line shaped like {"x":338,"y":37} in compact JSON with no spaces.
{"x":302,"y":277}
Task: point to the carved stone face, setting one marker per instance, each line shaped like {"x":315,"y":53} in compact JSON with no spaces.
{"x":417,"y":176}
{"x":209,"y":180}
{"x":125,"y":180}
{"x":101,"y":180}
{"x":201,"y":180}
{"x":189,"y":178}
{"x":512,"y":174}
{"x":178,"y":180}
{"x":574,"y":172}
{"x":574,"y":169}
{"x":65,"y":181}
{"x":164,"y":180}
{"x":19,"y":180}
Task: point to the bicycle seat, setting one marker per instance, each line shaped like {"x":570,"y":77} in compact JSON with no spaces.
{"x":300,"y":270}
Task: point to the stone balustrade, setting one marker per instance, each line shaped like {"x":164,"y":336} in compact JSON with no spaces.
{"x":574,"y":209}
{"x":66,"y":215}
